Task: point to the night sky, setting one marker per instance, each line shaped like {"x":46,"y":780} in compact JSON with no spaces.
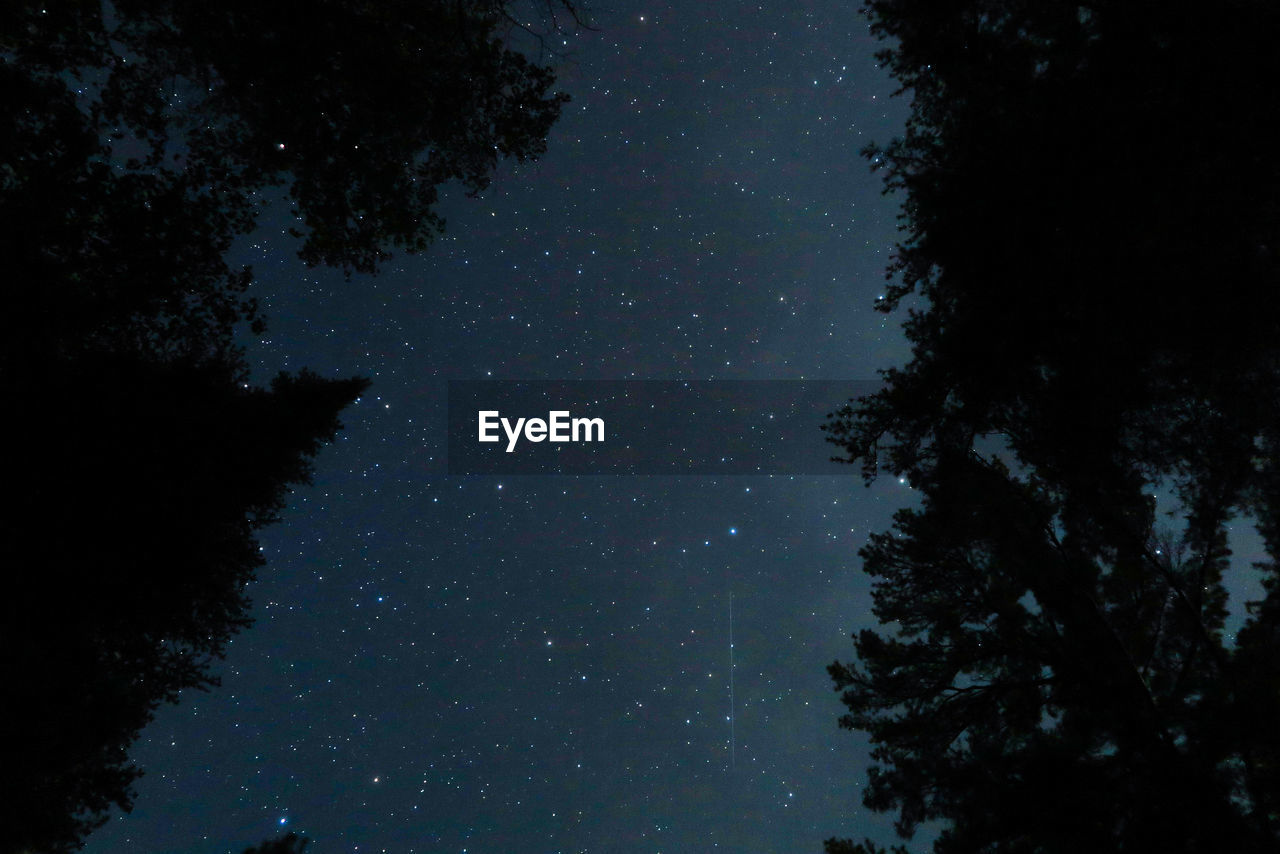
{"x":488,"y":664}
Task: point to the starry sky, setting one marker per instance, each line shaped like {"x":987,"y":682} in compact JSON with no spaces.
{"x":542,"y":663}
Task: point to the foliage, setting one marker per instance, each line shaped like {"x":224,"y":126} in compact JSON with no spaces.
{"x":363,"y":109}
{"x":290,"y":843}
{"x":1090,"y":218}
{"x":847,"y":846}
{"x":140,"y":486}
{"x":141,"y":139}
{"x":1051,"y":688}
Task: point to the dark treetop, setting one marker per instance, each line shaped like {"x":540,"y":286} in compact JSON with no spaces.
{"x":139,"y":140}
{"x":1090,"y":217}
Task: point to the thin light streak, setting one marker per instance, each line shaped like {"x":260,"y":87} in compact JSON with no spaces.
{"x":733,"y":757}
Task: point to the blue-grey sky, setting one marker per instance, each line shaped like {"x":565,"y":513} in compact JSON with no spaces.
{"x":449,"y":664}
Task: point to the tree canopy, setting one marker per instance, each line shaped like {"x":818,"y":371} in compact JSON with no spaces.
{"x":141,"y":139}
{"x":363,"y":110}
{"x":1090,"y":225}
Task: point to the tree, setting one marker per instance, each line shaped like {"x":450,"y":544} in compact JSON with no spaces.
{"x":1075,"y":180}
{"x":364,"y":110}
{"x":141,"y":486}
{"x":847,"y":846}
{"x":1050,"y":688}
{"x":290,"y":843}
{"x":141,"y":139}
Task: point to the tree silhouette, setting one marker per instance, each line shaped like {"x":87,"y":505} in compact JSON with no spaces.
{"x":290,"y":843}
{"x":1090,"y":216}
{"x":1051,"y":688}
{"x":141,"y":486}
{"x":140,"y":140}
{"x":848,"y":846}
{"x":363,"y":110}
